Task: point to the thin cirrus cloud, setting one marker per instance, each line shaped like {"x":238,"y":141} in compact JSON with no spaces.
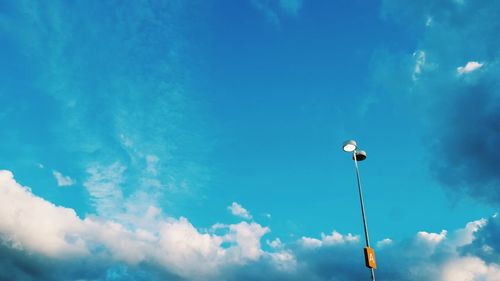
{"x":99,"y":128}
{"x":273,"y":10}
{"x":42,"y":241}
{"x":104,"y":186}
{"x":291,"y":7}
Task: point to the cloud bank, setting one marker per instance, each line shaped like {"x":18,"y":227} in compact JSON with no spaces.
{"x":42,"y":241}
{"x":34,"y":226}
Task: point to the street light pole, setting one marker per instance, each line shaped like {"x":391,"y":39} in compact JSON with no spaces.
{"x":362,"y":208}
{"x":360,"y":155}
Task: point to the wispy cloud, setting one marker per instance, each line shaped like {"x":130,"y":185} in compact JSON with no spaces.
{"x":419,"y":64}
{"x":291,"y":7}
{"x":273,"y":10}
{"x":136,"y":108}
{"x":104,"y":185}
{"x":62,"y":180}
{"x":267,"y":11}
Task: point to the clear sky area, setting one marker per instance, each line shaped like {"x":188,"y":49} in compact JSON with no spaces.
{"x":202,"y":140}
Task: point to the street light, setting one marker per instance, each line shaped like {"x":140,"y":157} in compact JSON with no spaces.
{"x":360,"y":155}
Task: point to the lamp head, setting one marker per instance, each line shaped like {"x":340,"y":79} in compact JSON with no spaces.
{"x":349,"y":146}
{"x":360,"y":155}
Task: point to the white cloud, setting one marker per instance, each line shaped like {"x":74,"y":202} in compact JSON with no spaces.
{"x":431,"y":238}
{"x":337,"y":238}
{"x":32,"y":224}
{"x":188,"y":252}
{"x":61,"y":179}
{"x":275,"y":244}
{"x":384,"y":242}
{"x":465,"y":235}
{"x":326,"y":240}
{"x":470,"y":269}
{"x":284,"y":260}
{"x":238,"y":210}
{"x":308,"y":242}
{"x":469,"y":67}
{"x":247,"y":237}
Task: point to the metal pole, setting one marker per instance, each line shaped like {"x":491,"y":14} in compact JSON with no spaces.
{"x":362,"y":209}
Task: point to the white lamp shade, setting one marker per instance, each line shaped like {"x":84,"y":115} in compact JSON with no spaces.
{"x":349,"y":146}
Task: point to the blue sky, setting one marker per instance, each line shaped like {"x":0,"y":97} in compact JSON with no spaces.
{"x":141,"y":139}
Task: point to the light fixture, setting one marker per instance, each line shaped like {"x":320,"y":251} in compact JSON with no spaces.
{"x":360,"y":155}
{"x":349,"y":146}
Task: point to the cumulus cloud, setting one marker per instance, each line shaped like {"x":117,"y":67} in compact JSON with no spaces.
{"x":384,"y":242}
{"x":238,"y":210}
{"x":62,"y":180}
{"x":309,"y":242}
{"x":485,"y":242}
{"x":275,"y":244}
{"x":470,"y":268}
{"x":333,"y":239}
{"x":247,"y":236}
{"x":431,"y":238}
{"x":337,"y":238}
{"x":33,"y":225}
{"x":42,"y":241}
